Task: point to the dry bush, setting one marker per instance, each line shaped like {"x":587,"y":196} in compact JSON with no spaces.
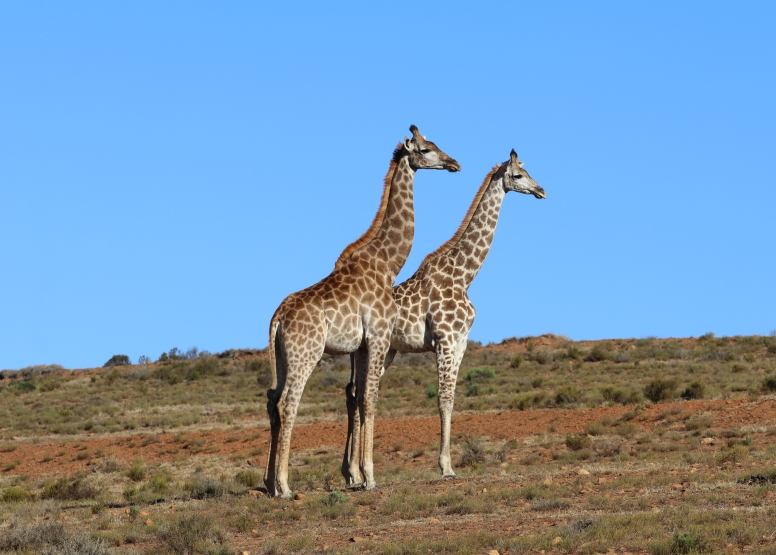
{"x":109,"y":465}
{"x":248,"y":478}
{"x":660,"y":389}
{"x":184,"y":534}
{"x":74,"y":488}
{"x":205,"y":488}
{"x":696,"y":390}
{"x":49,"y":538}
{"x":473,"y":452}
{"x":577,"y":442}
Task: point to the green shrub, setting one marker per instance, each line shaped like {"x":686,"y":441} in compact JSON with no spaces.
{"x":472,"y":389}
{"x":69,"y":489}
{"x":769,"y":384}
{"x":660,"y":389}
{"x":479,"y":373}
{"x":614,"y":395}
{"x":595,"y":428}
{"x":574,"y":353}
{"x":695,"y":390}
{"x":516,"y":361}
{"x":205,"y":488}
{"x":15,"y":494}
{"x":335,"y":498}
{"x":685,"y":543}
{"x":206,"y":366}
{"x":577,"y":442}
{"x":543,"y":357}
{"x":137,"y":472}
{"x":432,"y":391}
{"x":567,"y":395}
{"x":117,"y":360}
{"x":248,"y":478}
{"x":598,"y":354}
{"x":160,"y":483}
{"x":24,"y":386}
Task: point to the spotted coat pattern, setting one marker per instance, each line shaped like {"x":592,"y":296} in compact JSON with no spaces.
{"x":352,"y":309}
{"x":435,"y":313}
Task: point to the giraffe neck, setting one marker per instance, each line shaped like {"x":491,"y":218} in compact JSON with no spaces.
{"x":393,"y":241}
{"x":469,"y":252}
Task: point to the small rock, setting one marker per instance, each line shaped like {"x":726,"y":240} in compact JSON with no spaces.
{"x":547,"y":482}
{"x":583,"y":472}
{"x":245,"y":553}
{"x":556,"y":540}
{"x":484,"y":490}
{"x":434,"y":521}
{"x":493,"y":552}
{"x":299,"y":496}
{"x":676,"y":486}
{"x":357,"y":539}
{"x":601,"y":480}
{"x":143,"y":513}
{"x":642,"y":491}
{"x":254,"y":531}
{"x":149,"y":522}
{"x":325,"y":546}
{"x":707,"y":441}
{"x":61,"y":515}
{"x":768,"y":494}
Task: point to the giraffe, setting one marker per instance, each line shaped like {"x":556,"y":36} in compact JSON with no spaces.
{"x":435,"y":313}
{"x":352,"y":308}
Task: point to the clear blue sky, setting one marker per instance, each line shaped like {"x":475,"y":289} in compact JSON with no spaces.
{"x":169,"y":172}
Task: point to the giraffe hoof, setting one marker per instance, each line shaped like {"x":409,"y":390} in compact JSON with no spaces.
{"x":450,"y":476}
{"x":373,"y":487}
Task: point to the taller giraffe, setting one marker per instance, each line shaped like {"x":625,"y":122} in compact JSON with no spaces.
{"x":352,"y":308}
{"x":435,"y":313}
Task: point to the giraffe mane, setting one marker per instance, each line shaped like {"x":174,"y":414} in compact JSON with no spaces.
{"x":450,"y":243}
{"x":377,"y":222}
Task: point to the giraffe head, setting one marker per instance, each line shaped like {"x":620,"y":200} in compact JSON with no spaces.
{"x":425,"y":155}
{"x":515,"y":178}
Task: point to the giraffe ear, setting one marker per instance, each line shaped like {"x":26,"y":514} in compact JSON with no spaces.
{"x":513,"y":157}
{"x":520,"y":164}
{"x":407,"y":144}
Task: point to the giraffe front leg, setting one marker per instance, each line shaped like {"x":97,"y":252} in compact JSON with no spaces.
{"x":377,"y":349}
{"x":449,"y":356}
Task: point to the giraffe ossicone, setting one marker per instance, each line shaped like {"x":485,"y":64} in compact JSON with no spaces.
{"x":435,"y":313}
{"x":350,"y":310}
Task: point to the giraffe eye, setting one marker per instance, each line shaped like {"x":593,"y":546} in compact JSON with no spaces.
{"x":424,"y":150}
{"x":518,"y":176}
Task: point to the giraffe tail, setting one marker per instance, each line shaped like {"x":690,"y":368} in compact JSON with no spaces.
{"x":273,"y":395}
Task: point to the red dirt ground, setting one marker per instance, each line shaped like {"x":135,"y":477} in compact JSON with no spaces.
{"x":55,"y":457}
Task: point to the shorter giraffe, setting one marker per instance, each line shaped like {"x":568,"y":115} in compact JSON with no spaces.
{"x":435,"y":313}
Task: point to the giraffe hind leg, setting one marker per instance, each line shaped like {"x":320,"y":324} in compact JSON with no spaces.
{"x":352,"y":406}
{"x":273,"y":397}
{"x":270,"y":472}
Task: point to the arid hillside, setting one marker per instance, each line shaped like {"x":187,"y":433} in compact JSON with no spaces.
{"x":635,"y":445}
